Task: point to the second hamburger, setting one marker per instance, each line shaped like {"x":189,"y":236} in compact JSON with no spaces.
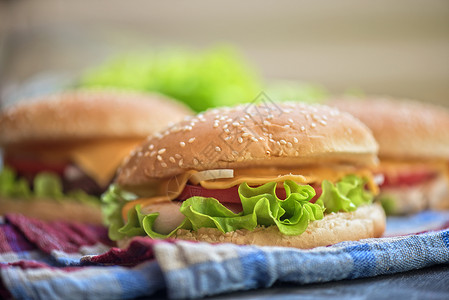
{"x":289,"y":175}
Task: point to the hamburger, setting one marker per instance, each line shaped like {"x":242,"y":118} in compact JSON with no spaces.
{"x":413,"y":142}
{"x":288,"y":175}
{"x":68,"y":145}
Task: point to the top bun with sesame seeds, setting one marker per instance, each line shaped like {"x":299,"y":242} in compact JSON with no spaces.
{"x":217,"y":177}
{"x":285,"y":135}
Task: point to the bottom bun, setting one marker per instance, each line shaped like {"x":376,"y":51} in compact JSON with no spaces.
{"x":52,"y":210}
{"x":366,"y":222}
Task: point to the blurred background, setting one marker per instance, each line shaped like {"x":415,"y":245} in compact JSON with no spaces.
{"x":399,"y":48}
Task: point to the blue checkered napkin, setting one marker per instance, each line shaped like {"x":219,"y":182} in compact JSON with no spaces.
{"x":35,"y":265}
{"x":197,"y":270}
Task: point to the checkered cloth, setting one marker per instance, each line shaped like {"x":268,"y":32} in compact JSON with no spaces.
{"x":65,"y":260}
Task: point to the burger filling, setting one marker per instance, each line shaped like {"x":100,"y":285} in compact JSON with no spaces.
{"x":232,"y":205}
{"x":410,"y":187}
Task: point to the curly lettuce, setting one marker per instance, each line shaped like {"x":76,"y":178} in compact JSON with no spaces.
{"x":261,"y":207}
{"x":45,"y":185}
{"x":200,"y":79}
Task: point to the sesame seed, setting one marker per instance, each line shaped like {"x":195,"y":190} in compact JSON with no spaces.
{"x":268,"y":152}
{"x":289,"y":144}
{"x":295,"y":140}
{"x":177,"y":156}
{"x":235,"y":152}
{"x":227,"y":130}
{"x":151,"y":147}
{"x":229,"y":120}
{"x":191,"y":140}
{"x":164,"y":165}
{"x":254,"y":139}
{"x":303,"y":128}
{"x":235,"y":124}
{"x":290,"y":120}
{"x":266,"y":123}
{"x":265,"y":129}
{"x":324,"y":117}
{"x":281,"y":152}
{"x":287,"y":126}
{"x":216,"y":125}
{"x":261,"y":138}
{"x":322,"y":122}
{"x":152,"y":153}
{"x":195,"y":161}
{"x":278,"y":143}
{"x":225,"y":126}
{"x":283,"y":142}
{"x":228,"y":138}
{"x":172,"y":159}
{"x":245,"y":134}
{"x":180,"y":162}
{"x":273,"y":141}
{"x":159,"y":158}
{"x":313,"y":125}
{"x":240,"y":140}
{"x":218,"y":149}
{"x":182,"y":144}
{"x":147,"y":154}
{"x":162,"y":151}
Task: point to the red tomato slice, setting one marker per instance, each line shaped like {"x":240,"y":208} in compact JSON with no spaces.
{"x":30,"y":166}
{"x":229,"y":195}
{"x":408,"y":178}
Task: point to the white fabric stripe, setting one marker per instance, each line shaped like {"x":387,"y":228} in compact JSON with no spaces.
{"x":183,"y":254}
{"x":96,"y":249}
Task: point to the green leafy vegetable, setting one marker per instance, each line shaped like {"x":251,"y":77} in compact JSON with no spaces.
{"x":389,"y":203}
{"x":48,"y":185}
{"x":12,"y":187}
{"x":200,"y":79}
{"x":45,"y":185}
{"x":112,"y":202}
{"x":261,"y":207}
{"x":345,"y":195}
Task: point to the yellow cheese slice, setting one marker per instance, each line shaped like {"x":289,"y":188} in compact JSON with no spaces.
{"x":100,"y":160}
{"x":249,"y":176}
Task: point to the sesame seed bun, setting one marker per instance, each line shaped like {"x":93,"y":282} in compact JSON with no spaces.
{"x":87,"y":115}
{"x":283,"y":135}
{"x":403,"y":128}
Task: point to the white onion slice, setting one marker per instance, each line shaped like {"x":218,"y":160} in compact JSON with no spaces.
{"x":379,"y":179}
{"x":211,"y":174}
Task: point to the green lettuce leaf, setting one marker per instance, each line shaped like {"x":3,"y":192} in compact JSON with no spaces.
{"x":45,"y":185}
{"x":113,"y":201}
{"x":200,"y":79}
{"x":261,"y":207}
{"x":346,"y":195}
{"x":11,"y":187}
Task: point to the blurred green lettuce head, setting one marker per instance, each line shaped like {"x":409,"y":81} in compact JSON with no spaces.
{"x":206,"y":79}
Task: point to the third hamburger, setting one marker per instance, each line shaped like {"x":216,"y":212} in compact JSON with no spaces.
{"x":413,"y":142}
